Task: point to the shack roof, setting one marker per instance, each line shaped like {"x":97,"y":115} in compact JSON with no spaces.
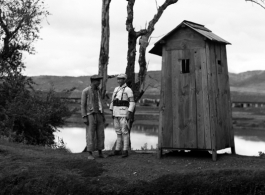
{"x":199,"y":28}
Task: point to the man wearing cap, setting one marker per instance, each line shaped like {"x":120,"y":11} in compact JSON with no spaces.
{"x":93,"y":116}
{"x":122,"y":107}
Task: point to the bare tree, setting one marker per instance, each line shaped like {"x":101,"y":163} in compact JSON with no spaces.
{"x":104,"y":47}
{"x":132,"y":41}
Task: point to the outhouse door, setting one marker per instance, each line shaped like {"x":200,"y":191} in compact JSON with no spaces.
{"x":189,"y":67}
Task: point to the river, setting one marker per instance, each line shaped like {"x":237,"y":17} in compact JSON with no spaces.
{"x":247,"y":141}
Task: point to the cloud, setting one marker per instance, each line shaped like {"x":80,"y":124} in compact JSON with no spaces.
{"x":71,"y":42}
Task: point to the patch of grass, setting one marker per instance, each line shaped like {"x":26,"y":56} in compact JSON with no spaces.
{"x":224,"y":182}
{"x":37,"y":170}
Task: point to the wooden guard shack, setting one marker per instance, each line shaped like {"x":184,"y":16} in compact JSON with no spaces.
{"x":195,"y":105}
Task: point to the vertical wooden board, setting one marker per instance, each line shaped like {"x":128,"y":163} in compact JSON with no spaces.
{"x":211,"y":86}
{"x":215,"y":94}
{"x":224,"y":103}
{"x":205,"y":99}
{"x":199,"y":99}
{"x":192,"y":103}
{"x":219,"y":99}
{"x":162,"y":100}
{"x":188,"y":106}
{"x":229,"y":130}
{"x":176,"y":63}
{"x":181,"y":101}
{"x":167,"y":118}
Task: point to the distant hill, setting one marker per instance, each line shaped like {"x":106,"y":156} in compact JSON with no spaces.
{"x":251,"y":83}
{"x":64,"y":83}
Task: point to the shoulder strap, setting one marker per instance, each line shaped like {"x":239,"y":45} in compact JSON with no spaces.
{"x":123,"y":92}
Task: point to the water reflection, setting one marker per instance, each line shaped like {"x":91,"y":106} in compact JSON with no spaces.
{"x":74,"y":137}
{"x":247,"y":141}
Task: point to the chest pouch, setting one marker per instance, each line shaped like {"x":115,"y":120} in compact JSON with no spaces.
{"x":118,"y":102}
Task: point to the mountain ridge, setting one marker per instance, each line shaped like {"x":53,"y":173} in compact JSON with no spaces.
{"x":245,"y":82}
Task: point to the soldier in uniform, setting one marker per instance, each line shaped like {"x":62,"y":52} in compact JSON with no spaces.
{"x":93,"y":116}
{"x":122,"y":107}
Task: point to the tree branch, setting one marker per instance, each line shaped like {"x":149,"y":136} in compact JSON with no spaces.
{"x":257,"y":2}
{"x":159,"y":14}
{"x":141,"y":33}
{"x":3,"y":25}
{"x":129,"y":20}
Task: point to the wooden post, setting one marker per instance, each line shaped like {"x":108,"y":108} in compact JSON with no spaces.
{"x":233,"y":150}
{"x":159,"y":153}
{"x":214,"y":154}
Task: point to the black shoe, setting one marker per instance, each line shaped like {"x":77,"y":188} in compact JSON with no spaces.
{"x":125,"y":154}
{"x":115,"y":153}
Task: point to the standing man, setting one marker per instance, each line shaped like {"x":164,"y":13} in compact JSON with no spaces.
{"x":93,"y":116}
{"x":122,"y":107}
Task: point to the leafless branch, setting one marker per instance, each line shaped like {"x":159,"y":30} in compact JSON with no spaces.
{"x":140,"y":33}
{"x":160,"y":11}
{"x":153,"y":78}
{"x":130,"y":15}
{"x":153,"y":86}
{"x":258,"y":2}
{"x":156,"y":4}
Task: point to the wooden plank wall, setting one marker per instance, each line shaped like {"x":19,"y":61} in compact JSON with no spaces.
{"x":161,"y":128}
{"x":206,"y":103}
{"x":212,"y":86}
{"x":219,"y":96}
{"x":203,"y":122}
{"x":181,"y":44}
{"x":199,"y":99}
{"x":176,"y":63}
{"x":220,"y":101}
{"x":167,"y":132}
{"x":229,"y":131}
{"x":187,"y":104}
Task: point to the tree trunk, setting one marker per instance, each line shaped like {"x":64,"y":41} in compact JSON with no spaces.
{"x":104,"y":47}
{"x":131,"y":55}
{"x":138,"y":88}
{"x":142,"y":63}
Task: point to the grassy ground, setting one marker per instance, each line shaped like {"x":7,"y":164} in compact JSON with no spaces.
{"x":38,"y":170}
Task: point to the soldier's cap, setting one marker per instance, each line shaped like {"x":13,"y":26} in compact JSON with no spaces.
{"x":122,"y":76}
{"x":96,"y":77}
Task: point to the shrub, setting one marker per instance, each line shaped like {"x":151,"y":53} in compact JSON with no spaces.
{"x":28,"y":116}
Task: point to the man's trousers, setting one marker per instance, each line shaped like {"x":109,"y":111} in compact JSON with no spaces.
{"x":122,"y":128}
{"x":95,"y":136}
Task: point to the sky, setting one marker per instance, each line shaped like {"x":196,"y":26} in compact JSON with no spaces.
{"x":71,"y":34}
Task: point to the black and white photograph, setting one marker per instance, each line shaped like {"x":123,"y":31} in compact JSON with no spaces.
{"x":132,"y":97}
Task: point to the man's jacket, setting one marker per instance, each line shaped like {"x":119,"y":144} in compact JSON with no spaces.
{"x":120,"y":103}
{"x":87,"y":98}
